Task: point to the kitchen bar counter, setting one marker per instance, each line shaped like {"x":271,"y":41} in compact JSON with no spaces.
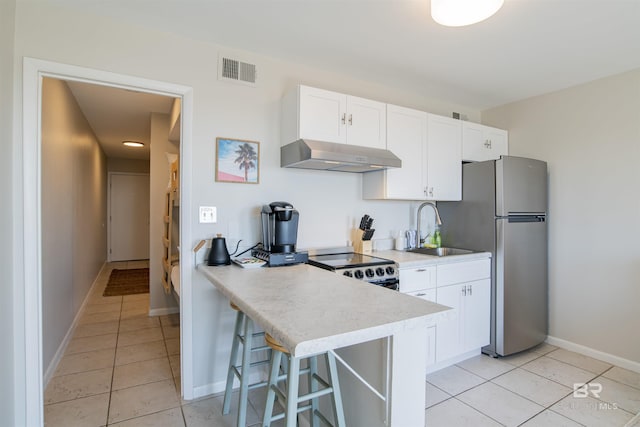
{"x":311,"y":311}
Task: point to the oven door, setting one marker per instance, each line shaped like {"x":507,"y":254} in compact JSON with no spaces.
{"x":392,"y":284}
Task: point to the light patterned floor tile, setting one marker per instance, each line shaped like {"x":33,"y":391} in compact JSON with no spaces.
{"x":591,"y":412}
{"x":579,"y":360}
{"x":136,"y":298}
{"x":142,"y":400}
{"x":208,"y":412}
{"x":173,"y":346}
{"x":559,"y":372}
{"x":521,"y":358}
{"x":170,"y":319}
{"x":624,"y":396}
{"x":141,"y":322}
{"x":99,"y":317}
{"x":140,"y":352}
{"x":168,"y":418}
{"x":97,"y":297}
{"x":485,"y":366}
{"x":74,"y":386}
{"x":175,"y":365}
{"x":435,"y":395}
{"x":92,"y":329}
{"x":171,"y":331}
{"x":544,"y":348}
{"x":86,"y":412}
{"x":97,"y":342}
{"x":623,"y":376}
{"x":454,"y":380}
{"x":139,"y":373}
{"x":550,"y":419}
{"x":102,"y":308}
{"x":139,"y":336}
{"x":452,"y":413}
{"x":534,"y":387}
{"x":500,"y":404}
{"x":86,"y":361}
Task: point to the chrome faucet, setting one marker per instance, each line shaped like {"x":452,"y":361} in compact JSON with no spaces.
{"x":438,"y":220}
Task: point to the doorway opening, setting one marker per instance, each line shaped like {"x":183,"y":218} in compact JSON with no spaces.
{"x":33,"y":315}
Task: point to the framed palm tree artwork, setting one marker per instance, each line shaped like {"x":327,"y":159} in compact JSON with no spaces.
{"x":237,"y":161}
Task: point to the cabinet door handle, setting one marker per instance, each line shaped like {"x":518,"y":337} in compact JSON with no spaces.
{"x":470,"y":290}
{"x":350,"y":119}
{"x":430,"y":191}
{"x":487,"y":143}
{"x":421,"y":270}
{"x":344,"y":118}
{"x":464,"y":291}
{"x":420,"y":294}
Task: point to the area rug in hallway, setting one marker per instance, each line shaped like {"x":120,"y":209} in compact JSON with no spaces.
{"x":127,"y":282}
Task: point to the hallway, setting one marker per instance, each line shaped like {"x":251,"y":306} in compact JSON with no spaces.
{"x":122,"y":368}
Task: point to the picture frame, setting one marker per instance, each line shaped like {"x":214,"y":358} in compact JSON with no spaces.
{"x":237,"y":161}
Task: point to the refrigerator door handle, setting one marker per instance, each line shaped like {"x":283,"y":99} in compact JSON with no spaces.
{"x":533,"y":218}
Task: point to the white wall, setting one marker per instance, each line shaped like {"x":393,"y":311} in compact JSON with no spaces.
{"x":115,"y":164}
{"x":158,"y":179}
{"x":73,"y":212}
{"x":329,"y":203}
{"x":7,"y":10}
{"x":590,"y":137}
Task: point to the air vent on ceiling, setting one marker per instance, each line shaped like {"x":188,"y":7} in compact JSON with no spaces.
{"x":237,"y":71}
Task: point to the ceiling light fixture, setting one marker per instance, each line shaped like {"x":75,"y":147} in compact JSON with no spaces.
{"x":458,"y":13}
{"x":133,"y":144}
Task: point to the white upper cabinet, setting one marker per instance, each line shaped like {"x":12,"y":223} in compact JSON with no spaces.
{"x":480,"y":142}
{"x":324,"y":115}
{"x":430,"y":148}
{"x":444,"y":158}
{"x":366,"y":122}
{"x":406,"y":138}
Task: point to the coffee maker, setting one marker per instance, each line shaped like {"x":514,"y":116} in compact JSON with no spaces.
{"x":279,"y":235}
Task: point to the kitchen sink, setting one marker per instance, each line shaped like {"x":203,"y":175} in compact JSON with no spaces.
{"x":441,"y":251}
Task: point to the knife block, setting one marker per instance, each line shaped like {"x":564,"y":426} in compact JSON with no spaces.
{"x":361,"y":246}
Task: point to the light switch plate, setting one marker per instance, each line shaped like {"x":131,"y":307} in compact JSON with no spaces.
{"x":208,"y":214}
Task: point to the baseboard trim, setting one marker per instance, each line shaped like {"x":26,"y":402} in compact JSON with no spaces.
{"x":596,"y":354}
{"x":163,"y":311}
{"x":51,"y":369}
{"x":208,"y":390}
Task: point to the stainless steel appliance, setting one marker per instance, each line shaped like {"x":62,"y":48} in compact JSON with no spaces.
{"x":503,"y":211}
{"x":378,"y":271}
{"x":279,"y":235}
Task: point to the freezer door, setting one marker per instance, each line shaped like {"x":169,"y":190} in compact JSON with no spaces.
{"x":521,"y":186}
{"x":521,"y":284}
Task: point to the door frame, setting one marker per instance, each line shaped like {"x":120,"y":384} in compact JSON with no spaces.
{"x":27,"y":243}
{"x":109,"y":177}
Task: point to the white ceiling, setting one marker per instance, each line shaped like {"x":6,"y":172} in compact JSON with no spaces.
{"x":530,"y":47}
{"x":116,"y":115}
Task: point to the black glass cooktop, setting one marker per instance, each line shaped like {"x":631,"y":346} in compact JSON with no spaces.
{"x":346,"y":260}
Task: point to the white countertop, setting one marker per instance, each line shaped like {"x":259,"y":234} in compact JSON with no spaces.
{"x":310,"y":310}
{"x":412,"y":259}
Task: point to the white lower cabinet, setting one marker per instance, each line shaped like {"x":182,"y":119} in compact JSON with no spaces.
{"x":429,"y":295}
{"x":467,"y":328}
{"x":466,"y":288}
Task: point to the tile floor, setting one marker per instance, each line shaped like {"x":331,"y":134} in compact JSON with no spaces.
{"x":531,"y":389}
{"x":122,"y":368}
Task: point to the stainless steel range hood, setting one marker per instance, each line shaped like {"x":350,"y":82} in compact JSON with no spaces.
{"x":320,"y":155}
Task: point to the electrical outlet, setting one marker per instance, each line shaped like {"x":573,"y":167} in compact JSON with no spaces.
{"x":208,"y":215}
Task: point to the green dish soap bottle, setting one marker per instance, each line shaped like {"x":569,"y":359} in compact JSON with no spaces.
{"x":437,"y":237}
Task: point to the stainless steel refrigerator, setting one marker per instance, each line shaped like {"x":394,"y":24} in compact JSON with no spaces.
{"x":503,"y":211}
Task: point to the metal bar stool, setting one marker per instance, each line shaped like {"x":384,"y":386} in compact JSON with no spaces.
{"x":243,"y":334}
{"x":289,"y":399}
